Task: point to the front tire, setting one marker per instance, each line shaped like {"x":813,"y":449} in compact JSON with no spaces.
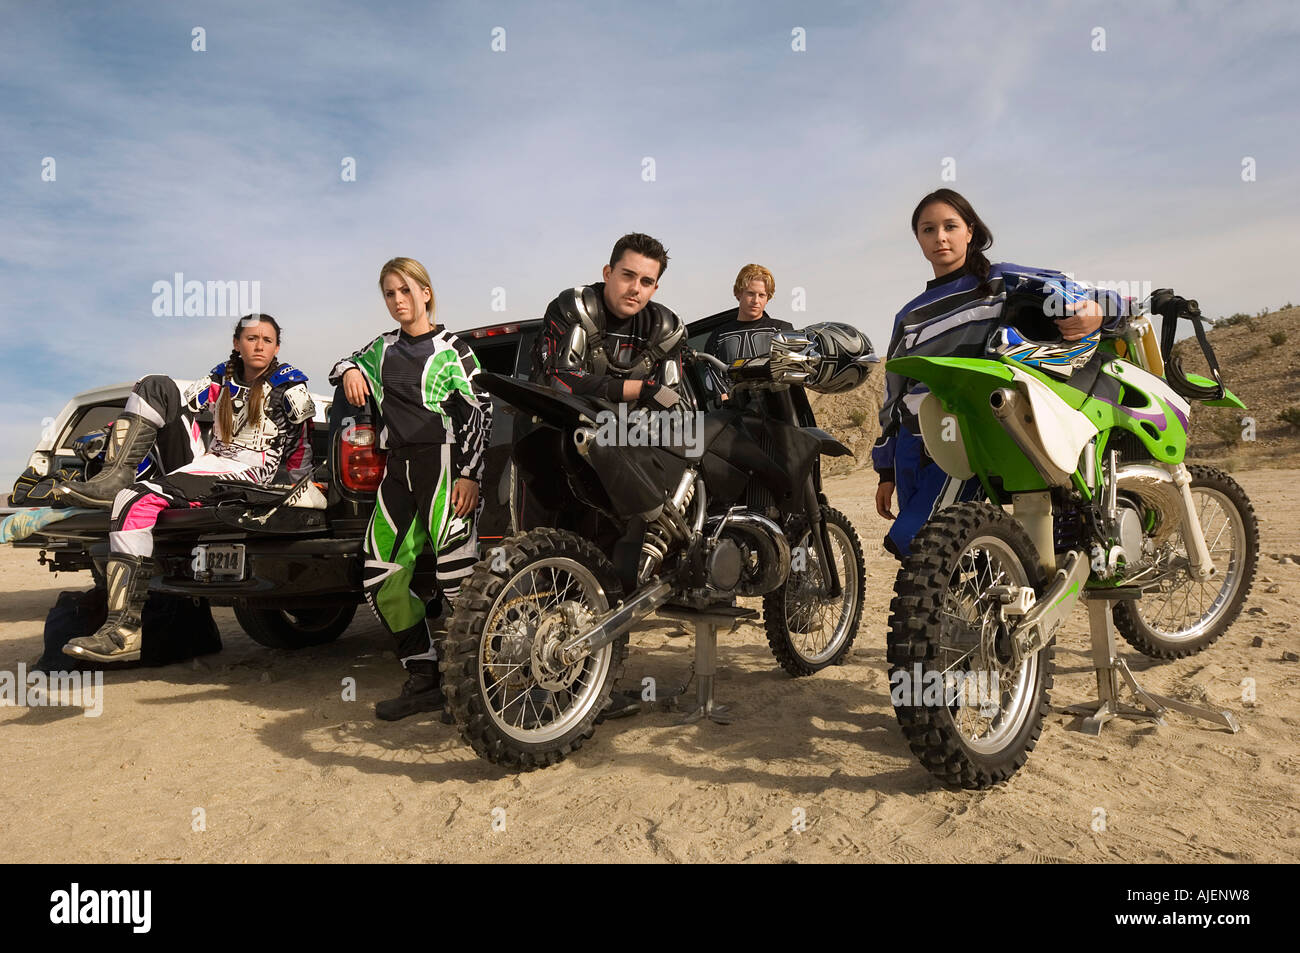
{"x":514,"y":704}
{"x":1184,"y":616}
{"x":942,"y":622}
{"x":805,"y":632}
{"x":294,"y":628}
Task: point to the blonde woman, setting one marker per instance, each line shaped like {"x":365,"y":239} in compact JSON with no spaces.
{"x":436,"y":425}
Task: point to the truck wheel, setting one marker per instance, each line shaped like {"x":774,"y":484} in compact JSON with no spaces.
{"x":294,"y":628}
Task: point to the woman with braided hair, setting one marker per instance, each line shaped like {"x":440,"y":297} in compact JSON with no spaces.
{"x":262,"y":416}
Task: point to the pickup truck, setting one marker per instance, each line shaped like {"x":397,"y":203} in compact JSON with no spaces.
{"x":293,"y":576}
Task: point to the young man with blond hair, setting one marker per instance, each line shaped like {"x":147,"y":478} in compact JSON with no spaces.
{"x":748,"y":331}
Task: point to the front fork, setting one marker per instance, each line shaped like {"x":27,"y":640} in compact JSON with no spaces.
{"x":819,"y":536}
{"x":1199,"y":562}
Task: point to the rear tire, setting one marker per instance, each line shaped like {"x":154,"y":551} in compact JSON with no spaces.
{"x":294,"y":628}
{"x":941,"y":621}
{"x":1163,"y":624}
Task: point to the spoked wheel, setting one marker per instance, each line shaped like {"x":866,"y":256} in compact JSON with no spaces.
{"x":1181,"y":616}
{"x":515,"y":702}
{"x":970,"y":713}
{"x":806,"y":630}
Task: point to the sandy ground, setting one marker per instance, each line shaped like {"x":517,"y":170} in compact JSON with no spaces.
{"x":258,"y":749}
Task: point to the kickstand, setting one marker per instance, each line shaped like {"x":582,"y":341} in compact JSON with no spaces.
{"x":704,"y":668}
{"x":1111,"y":668}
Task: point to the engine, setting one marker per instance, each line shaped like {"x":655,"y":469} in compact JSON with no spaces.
{"x":747,"y":553}
{"x":743,"y":551}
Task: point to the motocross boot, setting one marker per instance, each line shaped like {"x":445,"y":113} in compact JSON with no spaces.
{"x":129,"y":442}
{"x":422,"y":692}
{"x":621,"y":705}
{"x":118,"y":639}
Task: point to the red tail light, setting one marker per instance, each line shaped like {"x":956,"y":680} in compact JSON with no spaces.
{"x":493,"y":332}
{"x":361,"y":464}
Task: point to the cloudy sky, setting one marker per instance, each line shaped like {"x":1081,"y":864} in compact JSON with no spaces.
{"x":1150,"y":142}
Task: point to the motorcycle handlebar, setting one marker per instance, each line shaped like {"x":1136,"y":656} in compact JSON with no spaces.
{"x":710,"y":359}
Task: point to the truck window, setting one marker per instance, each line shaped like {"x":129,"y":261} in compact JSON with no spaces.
{"x":696,"y":341}
{"x":496,"y":357}
{"x":93,"y":418}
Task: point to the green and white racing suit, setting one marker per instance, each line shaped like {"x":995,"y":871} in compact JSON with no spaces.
{"x":437,"y":421}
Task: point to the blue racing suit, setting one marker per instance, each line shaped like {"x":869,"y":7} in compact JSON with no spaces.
{"x":955,"y":317}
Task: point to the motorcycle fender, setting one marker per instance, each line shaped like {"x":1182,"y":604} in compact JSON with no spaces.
{"x":1229,"y":399}
{"x":827,"y":444}
{"x":1061,"y":430}
{"x":943,"y":439}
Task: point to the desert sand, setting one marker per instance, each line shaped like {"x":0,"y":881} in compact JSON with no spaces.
{"x":252,"y":755}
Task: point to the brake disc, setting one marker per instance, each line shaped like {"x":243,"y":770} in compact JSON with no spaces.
{"x":573,"y":618}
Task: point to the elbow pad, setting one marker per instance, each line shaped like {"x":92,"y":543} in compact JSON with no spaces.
{"x":572,"y":352}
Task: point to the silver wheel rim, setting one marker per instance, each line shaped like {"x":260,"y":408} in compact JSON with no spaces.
{"x":1181,"y":608}
{"x":970,"y":642}
{"x":525,"y":699}
{"x":825,"y":622}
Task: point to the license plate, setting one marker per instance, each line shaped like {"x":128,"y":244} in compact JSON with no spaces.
{"x":218,"y":561}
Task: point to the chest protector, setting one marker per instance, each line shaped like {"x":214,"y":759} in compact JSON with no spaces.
{"x":589,"y":341}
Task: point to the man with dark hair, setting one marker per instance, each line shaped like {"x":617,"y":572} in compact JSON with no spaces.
{"x":642,"y":244}
{"x":609,"y":339}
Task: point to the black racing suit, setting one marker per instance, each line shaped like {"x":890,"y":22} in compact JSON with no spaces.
{"x":617,"y":349}
{"x":735,"y":339}
{"x":608,"y":351}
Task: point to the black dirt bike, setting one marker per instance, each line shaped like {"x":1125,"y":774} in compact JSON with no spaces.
{"x":679,"y":507}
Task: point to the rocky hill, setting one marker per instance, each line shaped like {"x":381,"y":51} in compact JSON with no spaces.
{"x":1260,"y":363}
{"x":1259,"y":357}
{"x":853,"y":419}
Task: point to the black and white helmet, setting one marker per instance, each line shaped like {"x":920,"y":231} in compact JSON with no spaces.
{"x":829,"y":358}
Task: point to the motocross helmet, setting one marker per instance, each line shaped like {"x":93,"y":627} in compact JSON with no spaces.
{"x":91,"y":447}
{"x":1060,"y":358}
{"x":828,"y":358}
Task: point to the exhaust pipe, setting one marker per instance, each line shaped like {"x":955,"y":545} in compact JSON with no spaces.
{"x":1009,"y":408}
{"x":767,"y":539}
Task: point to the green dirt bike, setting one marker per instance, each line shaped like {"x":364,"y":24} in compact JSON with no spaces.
{"x":1083,"y":444}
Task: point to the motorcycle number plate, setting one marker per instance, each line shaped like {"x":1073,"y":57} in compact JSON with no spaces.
{"x":219,"y":561}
